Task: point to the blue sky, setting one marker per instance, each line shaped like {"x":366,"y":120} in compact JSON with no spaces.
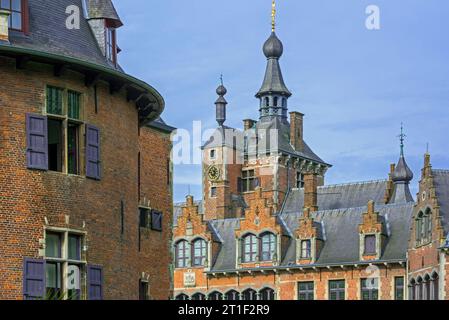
{"x":355,"y":86}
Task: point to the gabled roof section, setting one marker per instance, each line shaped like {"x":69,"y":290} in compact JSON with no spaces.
{"x":177,"y":210}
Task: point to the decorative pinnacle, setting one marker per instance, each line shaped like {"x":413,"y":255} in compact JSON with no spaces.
{"x":221,"y":79}
{"x":273,"y":16}
{"x":402,"y":137}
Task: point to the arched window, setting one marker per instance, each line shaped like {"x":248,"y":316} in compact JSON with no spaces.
{"x":249,"y":294}
{"x":268,"y":246}
{"x":199,"y":252}
{"x":284,"y":102}
{"x":182,"y":296}
{"x":427,"y":293}
{"x":412,"y":290}
{"x":215,"y":296}
{"x":250,"y":248}
{"x":267,"y":294}
{"x":232,"y":295}
{"x":199,"y":296}
{"x":267,"y":102}
{"x":276,"y":101}
{"x":435,"y":287}
{"x":182,"y":254}
{"x":419,"y":289}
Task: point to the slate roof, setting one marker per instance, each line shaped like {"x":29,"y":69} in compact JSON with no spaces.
{"x":351,"y":195}
{"x":48,"y":33}
{"x":340,"y":229}
{"x":49,"y":41}
{"x":282,"y":128}
{"x":223,"y":136}
{"x":103,"y":9}
{"x":160,"y":124}
{"x":342,"y":236}
{"x":441,"y":181}
{"x":264,"y":129}
{"x":341,"y":209}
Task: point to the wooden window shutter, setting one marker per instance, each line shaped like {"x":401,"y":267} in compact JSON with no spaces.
{"x":156,"y":220}
{"x":33,"y":279}
{"x":93,"y":152}
{"x":37,"y":142}
{"x":95,"y":282}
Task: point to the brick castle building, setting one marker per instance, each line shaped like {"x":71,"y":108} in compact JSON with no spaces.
{"x":268,"y":227}
{"x":85,"y":173}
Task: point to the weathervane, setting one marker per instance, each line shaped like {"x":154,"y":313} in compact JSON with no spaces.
{"x":402,"y":137}
{"x":273,"y":16}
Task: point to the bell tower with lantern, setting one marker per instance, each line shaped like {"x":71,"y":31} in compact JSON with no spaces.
{"x":220,"y":164}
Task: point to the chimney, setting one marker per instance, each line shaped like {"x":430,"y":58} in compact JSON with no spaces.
{"x":390,"y":184}
{"x":248,"y":124}
{"x":296,"y":131}
{"x":311,"y":191}
{"x":4,"y":22}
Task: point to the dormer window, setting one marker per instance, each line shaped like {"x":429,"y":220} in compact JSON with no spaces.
{"x":306,"y":249}
{"x":17,"y":18}
{"x":370,"y":245}
{"x":111,"y":44}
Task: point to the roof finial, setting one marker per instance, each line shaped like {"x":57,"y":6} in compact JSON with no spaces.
{"x":427,"y":148}
{"x":402,"y":137}
{"x":221,"y":79}
{"x":273,"y":16}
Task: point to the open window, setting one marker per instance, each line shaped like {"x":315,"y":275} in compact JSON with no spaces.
{"x":63,"y":108}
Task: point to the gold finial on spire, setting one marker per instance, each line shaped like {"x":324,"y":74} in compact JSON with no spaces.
{"x":273,"y":16}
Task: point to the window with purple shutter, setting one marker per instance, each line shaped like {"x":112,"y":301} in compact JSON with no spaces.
{"x":37,"y":142}
{"x":33,"y":279}
{"x":370,"y":244}
{"x":92,"y":152}
{"x":95,"y":282}
{"x":156,"y":220}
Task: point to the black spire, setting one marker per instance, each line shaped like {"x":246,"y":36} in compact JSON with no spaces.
{"x":401,"y":176}
{"x":273,"y":94}
{"x":221,"y":103}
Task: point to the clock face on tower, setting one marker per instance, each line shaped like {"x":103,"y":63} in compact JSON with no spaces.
{"x":213,"y":173}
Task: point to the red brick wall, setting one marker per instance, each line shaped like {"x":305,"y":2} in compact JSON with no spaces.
{"x":28,"y":197}
{"x":157,"y":186}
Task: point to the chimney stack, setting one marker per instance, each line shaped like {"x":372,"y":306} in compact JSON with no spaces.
{"x":248,"y":124}
{"x":296,"y":131}
{"x":311,"y":191}
{"x":4,"y":24}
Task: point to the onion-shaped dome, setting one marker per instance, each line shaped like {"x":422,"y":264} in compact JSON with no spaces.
{"x":273,"y":47}
{"x":402,"y":172}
